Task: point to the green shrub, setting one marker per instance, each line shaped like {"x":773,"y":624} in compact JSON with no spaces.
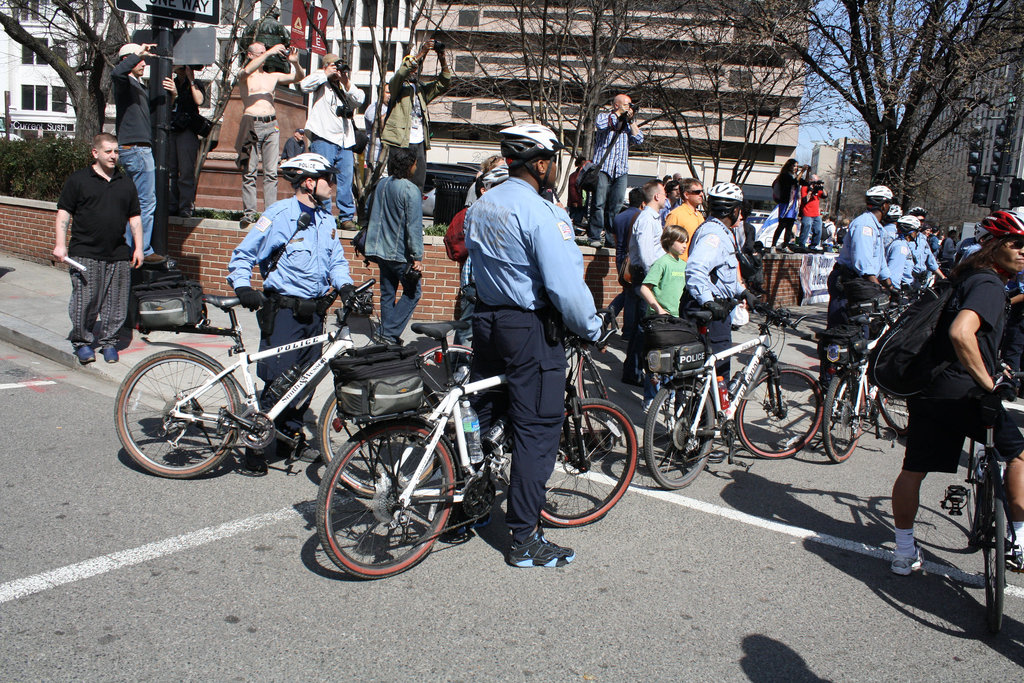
{"x":436,"y":230}
{"x":37,"y":169}
{"x":217,"y":214}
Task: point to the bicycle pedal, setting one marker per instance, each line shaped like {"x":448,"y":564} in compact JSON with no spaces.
{"x":955,"y":500}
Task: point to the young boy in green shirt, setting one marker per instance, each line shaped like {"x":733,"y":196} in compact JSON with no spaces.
{"x":663,"y":288}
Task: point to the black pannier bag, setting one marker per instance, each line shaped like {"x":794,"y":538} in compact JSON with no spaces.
{"x":837,"y":346}
{"x":168,"y":302}
{"x":672,"y":344}
{"x":377,"y":380}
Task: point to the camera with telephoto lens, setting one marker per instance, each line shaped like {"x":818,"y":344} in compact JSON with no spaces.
{"x":438,"y":46}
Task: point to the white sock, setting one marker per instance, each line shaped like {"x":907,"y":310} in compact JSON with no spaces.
{"x":1018,"y":533}
{"x":905,"y":542}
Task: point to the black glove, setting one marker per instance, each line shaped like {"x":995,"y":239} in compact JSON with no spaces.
{"x":750,"y":298}
{"x":1006,"y":388}
{"x":345,"y":293}
{"x":252,"y":299}
{"x":719,"y":311}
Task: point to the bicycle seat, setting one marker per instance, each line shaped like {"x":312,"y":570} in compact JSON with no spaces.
{"x":221,"y":302}
{"x":700,"y":316}
{"x":439,"y":331}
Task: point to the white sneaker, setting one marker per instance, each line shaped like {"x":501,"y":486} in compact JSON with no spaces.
{"x":903,"y":565}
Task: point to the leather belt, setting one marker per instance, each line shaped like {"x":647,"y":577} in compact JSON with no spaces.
{"x":136,"y":144}
{"x":264,"y":119}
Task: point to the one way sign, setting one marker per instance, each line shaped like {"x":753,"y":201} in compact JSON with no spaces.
{"x":201,"y":11}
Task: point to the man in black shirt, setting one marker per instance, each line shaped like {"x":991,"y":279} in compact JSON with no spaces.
{"x":184,"y":142}
{"x":100,"y":200}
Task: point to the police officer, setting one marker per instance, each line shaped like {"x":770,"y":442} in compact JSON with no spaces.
{"x":862,"y":257}
{"x":924,"y":255}
{"x":889,"y":231}
{"x":899,"y":252}
{"x":712,"y":270}
{"x":300,"y":259}
{"x":529,"y":276}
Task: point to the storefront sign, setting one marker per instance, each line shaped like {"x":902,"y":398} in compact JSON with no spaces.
{"x":43,"y":127}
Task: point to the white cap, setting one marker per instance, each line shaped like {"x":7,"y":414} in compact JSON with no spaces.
{"x":129,"y":49}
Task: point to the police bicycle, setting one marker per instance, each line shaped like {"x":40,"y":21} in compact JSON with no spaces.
{"x":389,"y":493}
{"x":178,"y":413}
{"x":773,"y":410}
{"x":988,"y":510}
{"x":852,"y":401}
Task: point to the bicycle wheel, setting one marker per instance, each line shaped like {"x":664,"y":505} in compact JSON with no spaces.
{"x":894,"y":411}
{"x":432,"y":367}
{"x":175,"y":447}
{"x":843,"y":421}
{"x":589,"y":382}
{"x":777,"y":424}
{"x":674,"y":456}
{"x":585,"y":485}
{"x":994,"y":549}
{"x":369,"y":534}
{"x":333,"y":429}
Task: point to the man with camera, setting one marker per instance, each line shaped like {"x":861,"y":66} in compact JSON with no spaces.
{"x":811,"y":195}
{"x":614,"y":132}
{"x":331,"y":127}
{"x":406,"y":123}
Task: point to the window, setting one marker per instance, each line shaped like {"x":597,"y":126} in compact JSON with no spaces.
{"x":741,"y":79}
{"x":369,"y":12}
{"x":59,"y":99}
{"x":735,"y":128}
{"x":61,"y":51}
{"x":33,"y":97}
{"x":30,"y":57}
{"x":391,"y":13}
{"x":365,"y":57}
{"x":469,"y":17}
{"x":462,"y":110}
{"x":465,"y":64}
{"x":392,"y":57}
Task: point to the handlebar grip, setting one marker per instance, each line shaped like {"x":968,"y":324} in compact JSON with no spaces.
{"x":365,"y":286}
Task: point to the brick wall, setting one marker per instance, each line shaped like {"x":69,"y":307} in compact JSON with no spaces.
{"x":202,"y":249}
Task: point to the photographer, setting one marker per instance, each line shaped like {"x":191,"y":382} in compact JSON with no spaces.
{"x":614,"y":132}
{"x":811,"y":193}
{"x":406,"y":123}
{"x":331,"y":127}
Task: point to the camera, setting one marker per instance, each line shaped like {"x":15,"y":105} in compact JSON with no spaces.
{"x":342,"y":65}
{"x":438,"y":46}
{"x":344,"y":111}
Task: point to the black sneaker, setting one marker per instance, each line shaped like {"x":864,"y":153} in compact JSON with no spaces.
{"x":538,"y":552}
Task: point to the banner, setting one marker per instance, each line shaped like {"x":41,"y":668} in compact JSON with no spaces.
{"x":814,"y":271}
{"x":299,"y":25}
{"x":319,"y":26}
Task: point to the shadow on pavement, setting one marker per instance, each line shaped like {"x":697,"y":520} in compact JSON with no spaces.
{"x":768,"y":660}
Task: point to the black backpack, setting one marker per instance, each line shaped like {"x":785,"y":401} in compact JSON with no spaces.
{"x":907,"y":358}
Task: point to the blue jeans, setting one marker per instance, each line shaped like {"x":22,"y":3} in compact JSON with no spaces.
{"x":138,"y":162}
{"x":607,"y":200}
{"x":342,"y":160}
{"x":394,"y":316}
{"x":810,"y":226}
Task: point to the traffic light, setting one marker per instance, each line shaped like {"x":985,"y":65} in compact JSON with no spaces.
{"x":1016,"y":192}
{"x":996,"y":167}
{"x":980,"y":196}
{"x":975,"y":152}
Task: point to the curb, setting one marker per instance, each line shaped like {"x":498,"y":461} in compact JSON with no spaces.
{"x":38,"y":340}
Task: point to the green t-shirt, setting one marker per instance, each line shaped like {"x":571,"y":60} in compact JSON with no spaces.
{"x":667,"y":278}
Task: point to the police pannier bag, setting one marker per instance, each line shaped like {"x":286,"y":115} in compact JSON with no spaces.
{"x":377,"y":380}
{"x":837,"y":346}
{"x":169,"y":302}
{"x":672,"y":344}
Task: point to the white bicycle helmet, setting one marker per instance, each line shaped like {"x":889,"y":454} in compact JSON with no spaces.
{"x":495,"y":176}
{"x":724,"y":197}
{"x":908,"y":224}
{"x":306,"y":165}
{"x":524,"y":143}
{"x":878,"y":195}
{"x":895,"y":212}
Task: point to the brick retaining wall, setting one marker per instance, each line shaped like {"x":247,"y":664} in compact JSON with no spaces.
{"x":202,"y":249}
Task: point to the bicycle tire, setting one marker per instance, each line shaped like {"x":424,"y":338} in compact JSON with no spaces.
{"x":363,"y":534}
{"x":578,"y":495}
{"x":672,"y":465}
{"x":772,"y":428}
{"x":894,"y":411}
{"x":994,"y":550}
{"x":843,"y":421}
{"x":143,"y":399}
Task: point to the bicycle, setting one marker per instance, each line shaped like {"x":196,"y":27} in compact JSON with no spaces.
{"x":774,"y":410}
{"x":988,"y":515}
{"x":852,"y":400}
{"x":178,"y":413}
{"x":388,"y":496}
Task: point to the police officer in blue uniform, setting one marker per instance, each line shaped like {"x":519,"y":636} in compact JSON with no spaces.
{"x":300,"y":260}
{"x":900,"y":251}
{"x":862,"y":258}
{"x":889,"y":231}
{"x":529,"y":281}
{"x":712,"y":268}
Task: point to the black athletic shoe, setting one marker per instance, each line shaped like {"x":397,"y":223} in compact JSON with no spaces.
{"x":539,"y":552}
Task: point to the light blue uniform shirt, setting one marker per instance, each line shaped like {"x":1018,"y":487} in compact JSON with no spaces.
{"x":524,"y":254}
{"x":312,"y":262}
{"x":889,"y":233}
{"x":924,"y":259}
{"x":862,"y":250}
{"x":897,"y":255}
{"x":713,"y":251}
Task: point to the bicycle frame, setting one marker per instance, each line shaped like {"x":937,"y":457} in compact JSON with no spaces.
{"x":760,"y":344}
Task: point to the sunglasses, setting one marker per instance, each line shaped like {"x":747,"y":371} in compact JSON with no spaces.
{"x":695,"y":192}
{"x":1015,"y":244}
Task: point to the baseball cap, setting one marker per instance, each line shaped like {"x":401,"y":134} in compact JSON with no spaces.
{"x":129,"y":49}
{"x":330,"y":58}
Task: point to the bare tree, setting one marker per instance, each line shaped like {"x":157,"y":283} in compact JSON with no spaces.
{"x":915,"y":70}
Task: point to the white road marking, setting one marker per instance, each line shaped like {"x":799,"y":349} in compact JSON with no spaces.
{"x":27,"y":383}
{"x":20,"y":588}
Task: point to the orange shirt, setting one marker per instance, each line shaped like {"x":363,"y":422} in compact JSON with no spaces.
{"x":689,"y":219}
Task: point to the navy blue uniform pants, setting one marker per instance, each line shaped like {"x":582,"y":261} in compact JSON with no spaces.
{"x":719,"y":335}
{"x":286,"y":330}
{"x":510,"y":341}
{"x":836,"y":301}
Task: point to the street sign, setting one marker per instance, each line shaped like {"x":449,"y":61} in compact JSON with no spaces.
{"x":201,"y":11}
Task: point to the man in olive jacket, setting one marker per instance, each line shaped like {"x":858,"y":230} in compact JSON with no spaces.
{"x":407,"y":123}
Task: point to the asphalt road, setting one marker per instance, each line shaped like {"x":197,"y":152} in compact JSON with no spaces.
{"x":776,"y":573}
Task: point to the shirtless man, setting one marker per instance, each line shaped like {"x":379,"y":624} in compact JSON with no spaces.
{"x":258,"y":136}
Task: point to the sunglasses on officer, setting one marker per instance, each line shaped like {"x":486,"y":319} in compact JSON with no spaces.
{"x":1016,"y":244}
